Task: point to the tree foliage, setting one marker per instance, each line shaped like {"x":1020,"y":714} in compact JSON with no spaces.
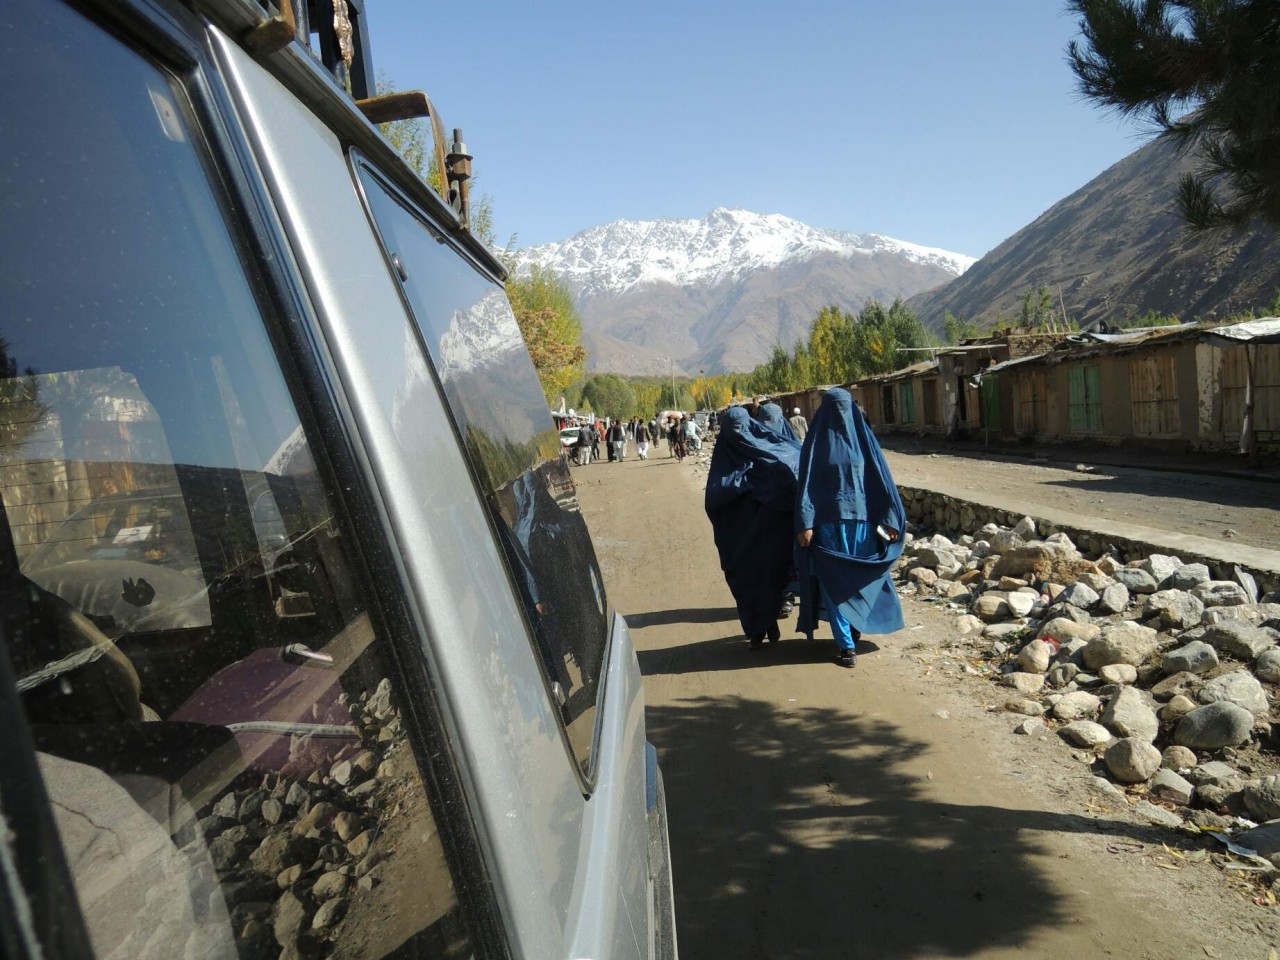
{"x":1206,"y":75}
{"x":956,"y":330}
{"x":551,"y":328}
{"x":842,"y":347}
{"x":609,"y":395}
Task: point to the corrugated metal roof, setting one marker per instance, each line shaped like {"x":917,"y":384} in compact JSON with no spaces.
{"x":1263,"y":330}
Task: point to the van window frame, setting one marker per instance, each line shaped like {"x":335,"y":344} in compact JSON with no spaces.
{"x":358,"y":161}
{"x":174,"y":39}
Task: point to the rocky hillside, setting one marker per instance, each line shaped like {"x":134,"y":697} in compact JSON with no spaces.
{"x":716,"y":294}
{"x":1116,"y":248}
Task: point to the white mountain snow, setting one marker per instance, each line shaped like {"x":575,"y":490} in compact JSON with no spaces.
{"x":726,"y":245}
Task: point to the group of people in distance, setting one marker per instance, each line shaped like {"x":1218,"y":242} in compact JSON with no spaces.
{"x":680,"y":430}
{"x":809,"y":509}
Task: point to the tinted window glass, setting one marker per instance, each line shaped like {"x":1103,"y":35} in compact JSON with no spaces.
{"x":215,"y":717}
{"x":512,"y":441}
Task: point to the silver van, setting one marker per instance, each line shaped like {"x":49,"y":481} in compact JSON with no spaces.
{"x":306,"y":652}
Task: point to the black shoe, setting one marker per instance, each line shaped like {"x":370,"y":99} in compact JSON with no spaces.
{"x":757,"y":642}
{"x":847,"y":659}
{"x":774,"y":633}
{"x":787,"y":607}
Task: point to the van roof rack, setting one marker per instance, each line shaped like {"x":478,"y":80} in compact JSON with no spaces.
{"x":334,"y":32}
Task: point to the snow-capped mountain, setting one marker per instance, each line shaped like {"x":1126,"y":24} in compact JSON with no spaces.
{"x":726,"y":244}
{"x":718,"y":293}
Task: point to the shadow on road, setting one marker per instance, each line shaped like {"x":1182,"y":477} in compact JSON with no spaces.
{"x":851,"y":860}
{"x":657,"y":618}
{"x":733,"y":653}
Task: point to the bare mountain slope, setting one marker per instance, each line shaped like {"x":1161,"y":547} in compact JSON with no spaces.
{"x":1116,"y":248}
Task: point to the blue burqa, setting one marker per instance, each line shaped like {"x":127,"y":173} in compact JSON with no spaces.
{"x":844,"y":491}
{"x":751,"y":491}
{"x":773,"y":418}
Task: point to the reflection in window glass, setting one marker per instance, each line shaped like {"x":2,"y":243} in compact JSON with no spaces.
{"x":495,"y":397}
{"x":216,"y":724}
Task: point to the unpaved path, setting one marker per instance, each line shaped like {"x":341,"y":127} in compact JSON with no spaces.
{"x":1220,"y":508}
{"x":824,"y":813}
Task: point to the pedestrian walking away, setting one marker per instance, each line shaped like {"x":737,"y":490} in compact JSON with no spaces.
{"x":799,"y":424}
{"x":750,"y":500}
{"x":849,"y":521}
{"x":617,"y":441}
{"x":582,"y":453}
{"x":642,"y":440}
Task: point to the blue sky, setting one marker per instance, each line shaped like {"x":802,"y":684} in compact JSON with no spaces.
{"x":941,"y":122}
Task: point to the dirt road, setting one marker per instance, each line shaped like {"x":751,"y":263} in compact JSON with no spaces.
{"x":1206,"y":506}
{"x":881,"y":812}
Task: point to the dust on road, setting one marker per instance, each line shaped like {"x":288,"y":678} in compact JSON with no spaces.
{"x":881,"y":812}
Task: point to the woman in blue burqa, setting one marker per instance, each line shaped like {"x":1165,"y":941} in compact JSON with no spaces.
{"x":849,"y":521}
{"x":751,"y":490}
{"x":772,"y":417}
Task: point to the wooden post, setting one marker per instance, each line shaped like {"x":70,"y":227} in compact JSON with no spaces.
{"x":1248,"y":433}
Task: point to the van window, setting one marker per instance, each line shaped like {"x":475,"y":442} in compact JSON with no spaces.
{"x":217,"y":724}
{"x":511,"y":440}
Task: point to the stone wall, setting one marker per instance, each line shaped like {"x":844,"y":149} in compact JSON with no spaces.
{"x":955,"y":517}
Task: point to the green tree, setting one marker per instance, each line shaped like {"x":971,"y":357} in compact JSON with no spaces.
{"x":956,"y":330}
{"x":551,"y":328}
{"x":1205,"y":74}
{"x":609,"y":395}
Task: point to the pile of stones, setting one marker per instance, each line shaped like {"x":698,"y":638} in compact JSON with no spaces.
{"x":1161,"y":672}
{"x":294,"y":851}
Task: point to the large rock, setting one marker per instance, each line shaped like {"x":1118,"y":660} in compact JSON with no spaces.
{"x":991,"y":607}
{"x":1079,"y":595}
{"x":1268,"y":666}
{"x":1262,"y":797}
{"x":935,"y":557}
{"x":1084,"y":733}
{"x":1030,"y":560}
{"x":1132,"y":760}
{"x":1021,"y":603}
{"x":1174,"y":608}
{"x":1035,"y":657}
{"x":1123,"y":642}
{"x":1177,"y":758}
{"x":1221,"y":593}
{"x":1242,"y":689}
{"x":1168,"y":785}
{"x":1186,"y":577}
{"x":1160,"y":567}
{"x":1195,"y":657}
{"x":1114,"y":599}
{"x":1239,"y":639}
{"x":1212,"y":727}
{"x":1065,"y":611}
{"x":1004,"y":541}
{"x":1243,"y":577}
{"x":1077,"y":705}
{"x":1024,"y":682}
{"x":1121,"y":673}
{"x":1063,"y":630}
{"x":1136,"y":580}
{"x":1128,"y":715}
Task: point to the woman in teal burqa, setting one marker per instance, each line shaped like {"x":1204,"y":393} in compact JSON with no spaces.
{"x":849,"y":521}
